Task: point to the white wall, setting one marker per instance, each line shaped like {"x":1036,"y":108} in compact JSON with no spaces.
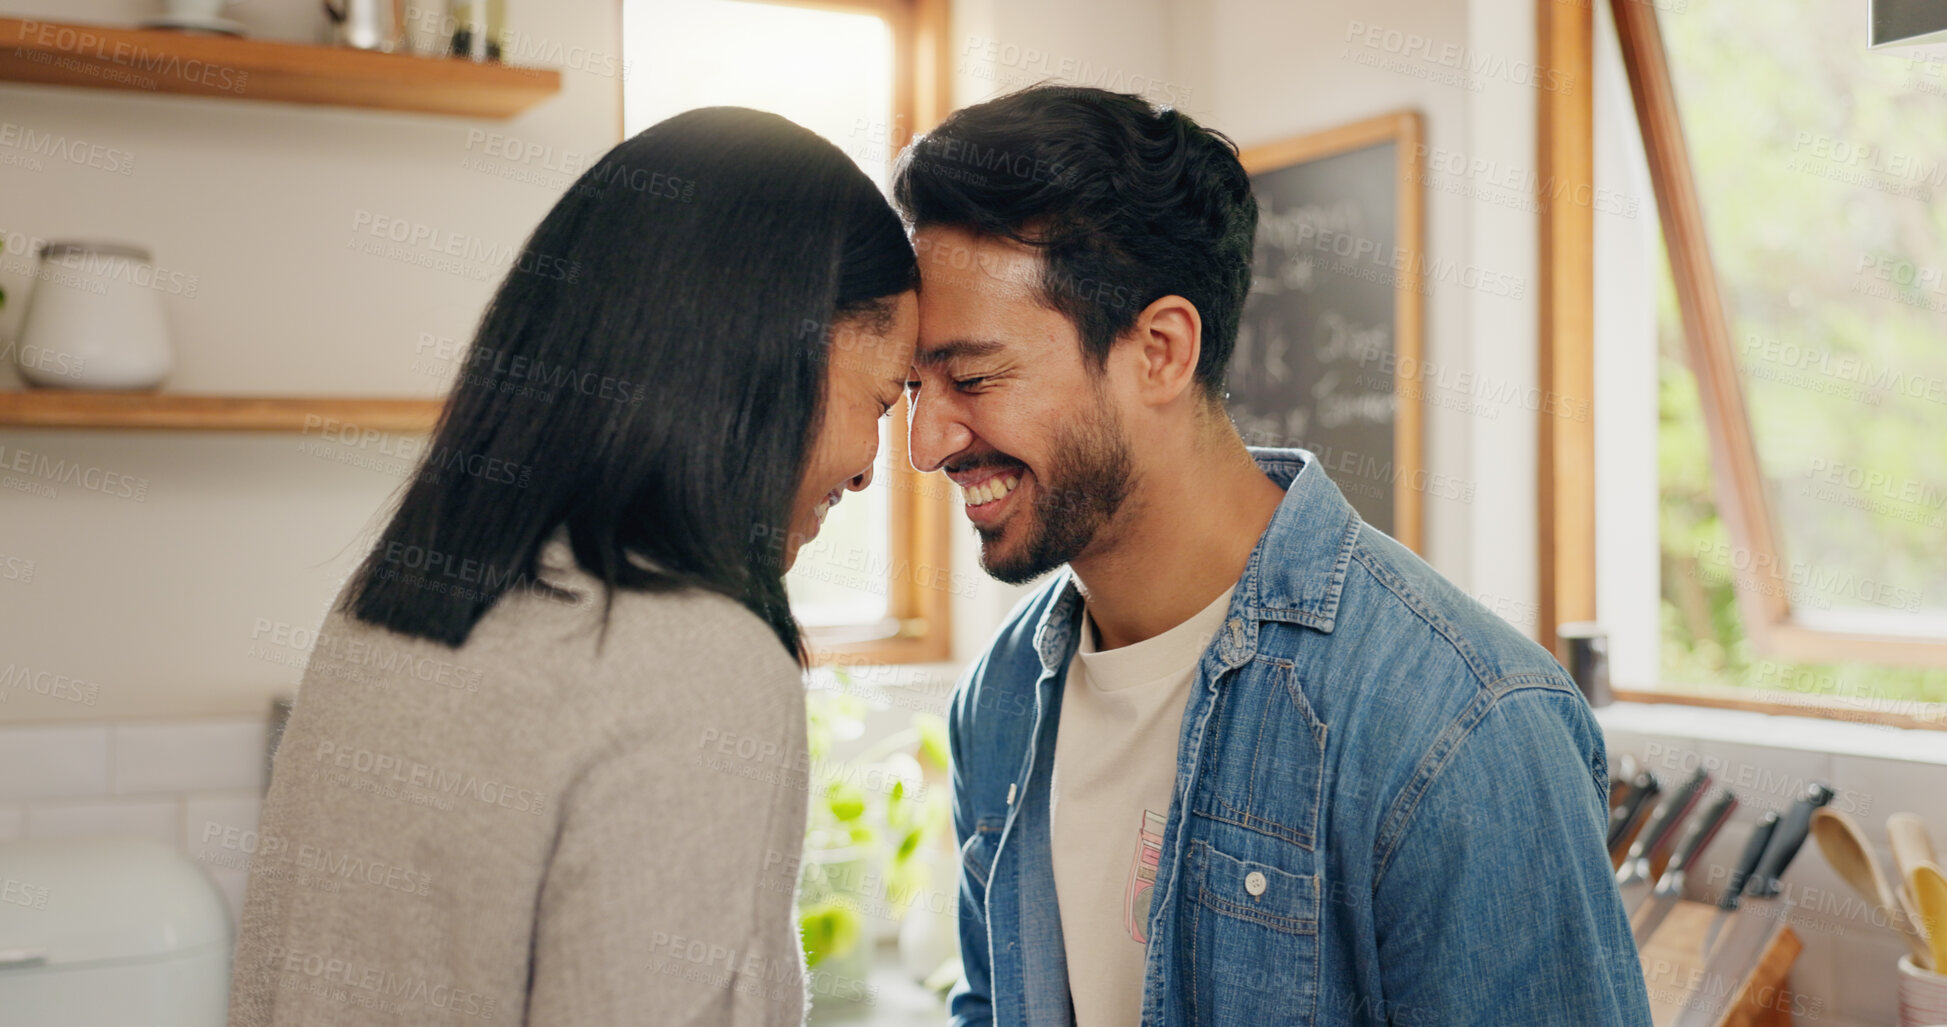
{"x":1628,"y":253}
{"x":158,"y":603}
{"x":1265,"y":70}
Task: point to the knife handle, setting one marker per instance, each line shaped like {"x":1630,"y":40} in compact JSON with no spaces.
{"x":1792,"y":829}
{"x":1753,"y":851}
{"x":1669,"y":816}
{"x":1623,"y":817}
{"x":1629,"y":772}
{"x":1702,"y":830}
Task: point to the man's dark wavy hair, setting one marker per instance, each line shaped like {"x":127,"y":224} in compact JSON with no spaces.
{"x":1127,"y":203}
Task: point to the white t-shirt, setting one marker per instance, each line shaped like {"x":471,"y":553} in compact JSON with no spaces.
{"x":1109,"y":797}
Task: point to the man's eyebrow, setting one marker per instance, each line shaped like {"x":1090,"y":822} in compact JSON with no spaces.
{"x":935,"y":355}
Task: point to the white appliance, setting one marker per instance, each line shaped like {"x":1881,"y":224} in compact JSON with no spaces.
{"x":110,"y":931}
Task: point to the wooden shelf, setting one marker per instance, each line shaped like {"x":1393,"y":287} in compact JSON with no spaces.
{"x":159,"y":61}
{"x":161,"y":411}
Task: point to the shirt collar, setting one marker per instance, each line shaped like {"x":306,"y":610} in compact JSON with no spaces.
{"x":1295,"y":574}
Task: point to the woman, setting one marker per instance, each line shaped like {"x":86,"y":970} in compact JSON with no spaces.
{"x":499,"y":799}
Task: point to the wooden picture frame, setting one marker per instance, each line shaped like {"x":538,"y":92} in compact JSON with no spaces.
{"x":1404,"y":130}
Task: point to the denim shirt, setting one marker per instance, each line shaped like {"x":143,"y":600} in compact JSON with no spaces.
{"x":1390,"y":806}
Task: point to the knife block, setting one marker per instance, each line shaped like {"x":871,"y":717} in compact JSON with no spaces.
{"x":1673,"y":967}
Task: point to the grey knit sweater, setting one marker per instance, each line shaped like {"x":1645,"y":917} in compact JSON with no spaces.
{"x":527,"y":831}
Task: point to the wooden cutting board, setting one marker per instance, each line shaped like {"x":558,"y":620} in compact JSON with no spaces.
{"x":1673,"y":968}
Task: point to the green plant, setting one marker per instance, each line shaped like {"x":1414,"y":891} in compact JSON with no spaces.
{"x":870,"y":817}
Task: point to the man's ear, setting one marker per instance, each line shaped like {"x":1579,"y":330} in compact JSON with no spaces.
{"x":1166,"y":341}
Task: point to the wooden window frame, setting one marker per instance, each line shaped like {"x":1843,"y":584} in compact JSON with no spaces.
{"x":1565,"y":308}
{"x":1566,"y":488}
{"x":919,"y":617}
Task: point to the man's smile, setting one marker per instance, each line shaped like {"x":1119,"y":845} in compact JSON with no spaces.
{"x":986,"y":491}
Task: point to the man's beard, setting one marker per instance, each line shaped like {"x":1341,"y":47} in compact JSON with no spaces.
{"x":1085,"y":482}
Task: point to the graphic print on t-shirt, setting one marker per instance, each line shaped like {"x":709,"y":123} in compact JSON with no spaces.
{"x":1142,"y":875}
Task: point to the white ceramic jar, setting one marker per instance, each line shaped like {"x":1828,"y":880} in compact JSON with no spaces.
{"x":94,"y":319}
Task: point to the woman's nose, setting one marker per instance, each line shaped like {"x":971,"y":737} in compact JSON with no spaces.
{"x":861,"y":480}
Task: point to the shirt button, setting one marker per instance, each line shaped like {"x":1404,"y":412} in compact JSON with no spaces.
{"x":1254,"y":883}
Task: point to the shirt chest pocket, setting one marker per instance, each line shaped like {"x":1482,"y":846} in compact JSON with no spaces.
{"x":1252,"y":940}
{"x":1264,"y":764}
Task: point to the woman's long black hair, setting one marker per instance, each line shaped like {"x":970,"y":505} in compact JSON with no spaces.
{"x":649,"y":373}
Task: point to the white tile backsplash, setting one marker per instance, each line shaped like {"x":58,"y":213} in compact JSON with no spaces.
{"x":220,"y":832}
{"x":176,"y":781}
{"x":53,"y":761}
{"x":159,"y":819}
{"x":220,"y":821}
{"x":1887,"y":785}
{"x":188,"y":756}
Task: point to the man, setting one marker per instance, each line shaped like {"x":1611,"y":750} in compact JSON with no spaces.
{"x":1243,"y":759}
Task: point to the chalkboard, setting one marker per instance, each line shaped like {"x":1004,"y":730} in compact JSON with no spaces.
{"x":1334,"y":313}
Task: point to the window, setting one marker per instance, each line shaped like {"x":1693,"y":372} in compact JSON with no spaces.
{"x":1801,"y":392}
{"x":872,"y":586}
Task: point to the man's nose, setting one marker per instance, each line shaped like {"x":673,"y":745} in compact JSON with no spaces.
{"x":934,"y":433}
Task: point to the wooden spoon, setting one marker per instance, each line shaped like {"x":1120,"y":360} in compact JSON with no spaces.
{"x":1930,"y":894}
{"x":1846,"y":848}
{"x":1907,"y":835}
{"x":1912,"y":846}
